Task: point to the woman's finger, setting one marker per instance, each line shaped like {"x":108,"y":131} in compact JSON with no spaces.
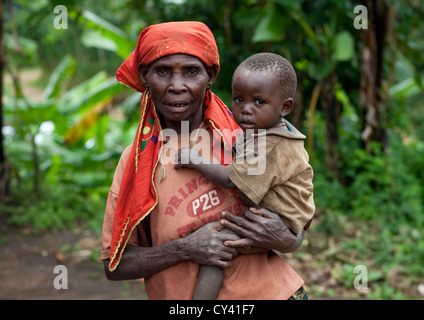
{"x":240,"y":221}
{"x":236,"y":223}
{"x":241,"y":243}
{"x":255,"y":217}
{"x":229,"y":254}
{"x":242,"y":232}
{"x":263,"y":212}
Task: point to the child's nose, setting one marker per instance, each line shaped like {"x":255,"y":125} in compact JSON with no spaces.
{"x":246,"y":109}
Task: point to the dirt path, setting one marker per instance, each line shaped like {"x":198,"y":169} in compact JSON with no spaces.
{"x":28,"y":262}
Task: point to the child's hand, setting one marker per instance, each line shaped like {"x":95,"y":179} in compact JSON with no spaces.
{"x":187,"y":157}
{"x":182,"y":158}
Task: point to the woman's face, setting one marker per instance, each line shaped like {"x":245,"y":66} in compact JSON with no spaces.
{"x":178,"y":84}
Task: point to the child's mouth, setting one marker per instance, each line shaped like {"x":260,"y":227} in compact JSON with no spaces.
{"x":247,"y":125}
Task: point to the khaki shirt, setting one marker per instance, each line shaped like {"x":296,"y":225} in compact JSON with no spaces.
{"x":271,"y":168}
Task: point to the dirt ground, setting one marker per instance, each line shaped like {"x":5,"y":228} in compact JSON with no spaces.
{"x":28,"y":262}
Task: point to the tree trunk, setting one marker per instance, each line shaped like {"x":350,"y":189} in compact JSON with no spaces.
{"x":331,"y":108}
{"x":372,"y":72}
{"x":4,"y":172}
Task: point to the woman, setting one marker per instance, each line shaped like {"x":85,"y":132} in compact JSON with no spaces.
{"x":161,"y":223}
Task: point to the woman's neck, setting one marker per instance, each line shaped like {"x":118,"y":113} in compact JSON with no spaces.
{"x":184,"y":126}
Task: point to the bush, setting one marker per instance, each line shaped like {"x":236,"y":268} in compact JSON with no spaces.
{"x":59,"y":207}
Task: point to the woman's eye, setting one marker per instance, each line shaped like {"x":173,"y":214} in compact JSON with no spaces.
{"x":162,"y":71}
{"x":192,"y":72}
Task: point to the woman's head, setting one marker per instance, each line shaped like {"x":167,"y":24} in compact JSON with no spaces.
{"x":177,"y":62}
{"x":160,"y":40}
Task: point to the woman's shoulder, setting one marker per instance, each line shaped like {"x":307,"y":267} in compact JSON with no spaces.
{"x":120,"y":168}
{"x":126,"y":153}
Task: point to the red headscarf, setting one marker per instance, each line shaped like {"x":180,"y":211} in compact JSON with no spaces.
{"x":137,"y":194}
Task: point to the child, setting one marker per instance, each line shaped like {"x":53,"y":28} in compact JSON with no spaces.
{"x":263,"y":89}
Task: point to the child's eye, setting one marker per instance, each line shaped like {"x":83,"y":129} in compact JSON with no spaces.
{"x":238,"y":99}
{"x":260,"y":101}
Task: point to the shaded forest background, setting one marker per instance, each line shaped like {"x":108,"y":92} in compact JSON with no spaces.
{"x":360,"y":101}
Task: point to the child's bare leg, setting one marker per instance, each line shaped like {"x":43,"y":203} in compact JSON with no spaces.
{"x":208,"y":283}
{"x":209,"y":280}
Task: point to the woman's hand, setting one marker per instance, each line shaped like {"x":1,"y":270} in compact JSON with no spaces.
{"x":206,"y":246}
{"x":261,"y":228}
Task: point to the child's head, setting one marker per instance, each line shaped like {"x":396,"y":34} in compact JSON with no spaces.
{"x":263,"y":91}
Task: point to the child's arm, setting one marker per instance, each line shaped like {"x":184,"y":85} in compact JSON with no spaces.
{"x":189,"y":157}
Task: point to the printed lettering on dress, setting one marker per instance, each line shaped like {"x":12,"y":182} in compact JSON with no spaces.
{"x":206,"y":202}
{"x":183,"y":192}
{"x":184,"y":231}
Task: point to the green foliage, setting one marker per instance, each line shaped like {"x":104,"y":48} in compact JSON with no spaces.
{"x":383,"y":185}
{"x":104,"y":35}
{"x":75,"y":146}
{"x":59,"y":207}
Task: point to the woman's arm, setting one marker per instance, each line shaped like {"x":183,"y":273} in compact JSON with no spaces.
{"x":262,"y":229}
{"x":142,"y":262}
{"x":204,"y":246}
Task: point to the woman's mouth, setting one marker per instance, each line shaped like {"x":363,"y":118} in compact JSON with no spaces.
{"x":177,"y":107}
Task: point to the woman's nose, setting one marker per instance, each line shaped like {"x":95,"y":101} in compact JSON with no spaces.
{"x":177,"y":84}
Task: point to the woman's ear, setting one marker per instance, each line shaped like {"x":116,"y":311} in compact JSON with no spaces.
{"x":287,"y":107}
{"x":142,"y":73}
{"x":212,"y":73}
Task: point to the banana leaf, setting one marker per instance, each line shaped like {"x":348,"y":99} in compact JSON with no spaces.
{"x":123,"y":44}
{"x":64,"y":69}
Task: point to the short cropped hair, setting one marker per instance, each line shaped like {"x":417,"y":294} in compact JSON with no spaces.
{"x":267,"y":61}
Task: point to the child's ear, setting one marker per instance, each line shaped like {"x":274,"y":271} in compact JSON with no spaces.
{"x":142,"y":72}
{"x":287,"y":107}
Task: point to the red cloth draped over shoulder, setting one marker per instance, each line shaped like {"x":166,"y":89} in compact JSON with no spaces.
{"x":137,"y":194}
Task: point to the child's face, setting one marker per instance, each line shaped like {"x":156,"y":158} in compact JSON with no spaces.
{"x":256,"y":100}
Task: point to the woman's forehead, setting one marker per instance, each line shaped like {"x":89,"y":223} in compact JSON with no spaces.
{"x":178,"y":59}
